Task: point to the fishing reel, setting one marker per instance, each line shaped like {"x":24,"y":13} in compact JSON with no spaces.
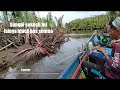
{"x":103,"y":40}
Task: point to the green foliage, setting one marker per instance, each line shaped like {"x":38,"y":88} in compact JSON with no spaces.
{"x":113,"y":14}
{"x":59,"y":22}
{"x":89,"y":23}
{"x":50,"y":21}
{"x":5,"y":15}
{"x":30,"y":16}
{"x":98,"y":21}
{"x":17,"y":16}
{"x":23,"y":16}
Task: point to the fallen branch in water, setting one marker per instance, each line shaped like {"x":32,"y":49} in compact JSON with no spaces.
{"x":21,"y":52}
{"x":13,"y":43}
{"x":6,"y":46}
{"x":37,"y":46}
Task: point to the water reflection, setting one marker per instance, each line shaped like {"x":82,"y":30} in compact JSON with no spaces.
{"x":80,"y":36}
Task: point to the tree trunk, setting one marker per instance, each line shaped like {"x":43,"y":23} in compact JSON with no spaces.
{"x":26,"y":34}
{"x":5,"y":17}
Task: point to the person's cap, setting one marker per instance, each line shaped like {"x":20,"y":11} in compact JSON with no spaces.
{"x":116,"y":23}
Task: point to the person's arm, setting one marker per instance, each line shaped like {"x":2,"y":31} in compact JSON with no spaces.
{"x":114,"y":63}
{"x":106,"y":56}
{"x":111,"y":45}
{"x":100,"y":49}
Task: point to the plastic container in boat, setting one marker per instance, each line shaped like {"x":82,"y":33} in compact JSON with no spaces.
{"x":101,"y":40}
{"x":90,"y":46}
{"x":96,"y":41}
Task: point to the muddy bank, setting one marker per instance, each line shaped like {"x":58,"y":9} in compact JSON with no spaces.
{"x":20,"y":48}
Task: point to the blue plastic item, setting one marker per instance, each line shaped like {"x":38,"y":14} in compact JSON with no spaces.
{"x":107,"y":50}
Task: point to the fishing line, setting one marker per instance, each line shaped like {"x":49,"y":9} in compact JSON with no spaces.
{"x":68,"y":57}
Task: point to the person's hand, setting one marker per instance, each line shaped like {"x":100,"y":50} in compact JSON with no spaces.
{"x":112,"y":44}
{"x":99,"y":48}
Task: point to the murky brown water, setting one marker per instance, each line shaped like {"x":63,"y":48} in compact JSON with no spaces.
{"x":49,"y":67}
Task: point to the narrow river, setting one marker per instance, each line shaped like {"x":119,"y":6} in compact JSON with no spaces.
{"x":50,"y":67}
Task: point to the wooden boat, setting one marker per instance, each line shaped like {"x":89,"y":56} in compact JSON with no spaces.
{"x":75,"y":71}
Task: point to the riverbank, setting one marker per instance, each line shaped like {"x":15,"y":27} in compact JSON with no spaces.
{"x":40,"y":45}
{"x":73,"y":34}
{"x":82,"y":32}
{"x":48,"y":67}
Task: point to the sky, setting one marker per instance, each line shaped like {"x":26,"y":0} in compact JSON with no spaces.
{"x":70,"y":15}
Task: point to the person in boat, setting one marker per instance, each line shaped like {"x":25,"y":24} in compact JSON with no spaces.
{"x":106,"y":32}
{"x":110,"y":68}
{"x":106,"y":29}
